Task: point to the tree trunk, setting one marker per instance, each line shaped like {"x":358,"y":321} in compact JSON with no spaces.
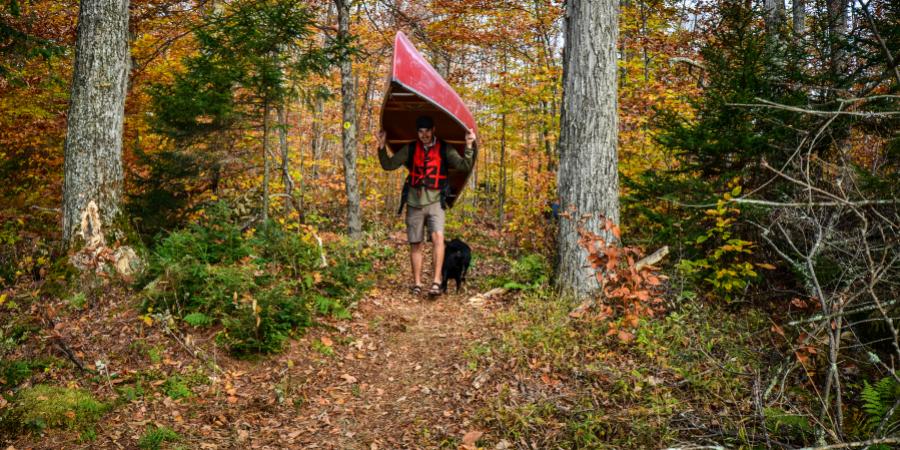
{"x":837,"y":28}
{"x":774,"y":15}
{"x":318,"y":135}
{"x":798,"y":8}
{"x":588,"y":177}
{"x":265,"y":209}
{"x":93,"y":149}
{"x":286,"y":178}
{"x":501,"y":193}
{"x":348,"y":101}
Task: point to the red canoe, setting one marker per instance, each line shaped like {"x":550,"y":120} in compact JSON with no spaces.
{"x":416,"y":89}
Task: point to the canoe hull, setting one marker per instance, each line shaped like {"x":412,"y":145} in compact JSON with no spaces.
{"x":416,"y":89}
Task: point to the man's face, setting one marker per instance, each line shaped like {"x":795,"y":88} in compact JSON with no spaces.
{"x":426,"y":135}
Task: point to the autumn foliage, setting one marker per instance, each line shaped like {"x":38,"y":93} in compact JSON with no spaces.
{"x":629,"y":291}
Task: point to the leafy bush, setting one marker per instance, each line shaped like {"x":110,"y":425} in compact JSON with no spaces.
{"x":529,"y":272}
{"x":725,"y":269}
{"x":260,"y":287}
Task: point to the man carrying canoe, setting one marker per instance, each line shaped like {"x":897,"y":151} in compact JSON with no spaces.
{"x":427,"y":159}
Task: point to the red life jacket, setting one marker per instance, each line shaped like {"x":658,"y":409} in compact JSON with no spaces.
{"x":428,"y":168}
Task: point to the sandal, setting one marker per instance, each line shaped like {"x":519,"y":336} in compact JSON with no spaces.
{"x":416,"y":289}
{"x":435,"y":289}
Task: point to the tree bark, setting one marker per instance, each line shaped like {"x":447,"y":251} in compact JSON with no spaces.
{"x":588,"y":176}
{"x":837,"y":27}
{"x":348,"y":101}
{"x":798,"y":9}
{"x":286,"y":178}
{"x":775,"y":15}
{"x":318,"y":135}
{"x":265,"y":199}
{"x":93,"y":149}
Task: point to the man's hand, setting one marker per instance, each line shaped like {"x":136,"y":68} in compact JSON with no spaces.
{"x":470,"y":138}
{"x":380,"y":137}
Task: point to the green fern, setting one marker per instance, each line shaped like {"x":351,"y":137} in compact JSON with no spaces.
{"x":877,"y":401}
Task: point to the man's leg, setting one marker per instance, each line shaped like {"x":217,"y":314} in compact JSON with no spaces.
{"x":436,"y":229}
{"x":415,"y":234}
{"x":415,"y":257}
{"x":437,"y":238}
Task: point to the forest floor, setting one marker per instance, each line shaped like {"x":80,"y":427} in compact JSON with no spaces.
{"x":402,"y":373}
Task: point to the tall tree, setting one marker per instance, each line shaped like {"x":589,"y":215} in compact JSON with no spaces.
{"x":588,"y":171}
{"x":798,"y":9}
{"x":93,"y":150}
{"x":775,"y":15}
{"x":348,"y":102}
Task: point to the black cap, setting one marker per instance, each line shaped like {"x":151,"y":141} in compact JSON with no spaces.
{"x":424,"y":122}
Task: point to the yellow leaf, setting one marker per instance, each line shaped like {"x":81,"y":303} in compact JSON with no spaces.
{"x":2,"y":298}
{"x":148,"y":320}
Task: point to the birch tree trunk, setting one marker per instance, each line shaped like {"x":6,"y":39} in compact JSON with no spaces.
{"x":588,"y":176}
{"x":93,"y":149}
{"x":348,"y":128}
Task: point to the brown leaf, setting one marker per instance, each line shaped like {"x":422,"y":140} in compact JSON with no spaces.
{"x":326,"y":341}
{"x":471,"y":437}
{"x":625,"y":336}
{"x":777,"y":329}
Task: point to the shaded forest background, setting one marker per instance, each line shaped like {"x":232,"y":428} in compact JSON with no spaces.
{"x":757,"y":141}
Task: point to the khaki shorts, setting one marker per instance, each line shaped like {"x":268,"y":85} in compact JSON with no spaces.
{"x":417,"y":218}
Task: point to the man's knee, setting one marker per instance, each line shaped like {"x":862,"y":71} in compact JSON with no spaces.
{"x":415,"y":247}
{"x":437,"y":237}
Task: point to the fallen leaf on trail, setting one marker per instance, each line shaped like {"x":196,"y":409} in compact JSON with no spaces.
{"x":625,"y":336}
{"x":470,"y":438}
{"x":349,"y":378}
{"x":326,"y":341}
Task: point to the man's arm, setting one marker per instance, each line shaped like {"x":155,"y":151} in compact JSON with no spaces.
{"x":390,"y":162}
{"x":467,"y":161}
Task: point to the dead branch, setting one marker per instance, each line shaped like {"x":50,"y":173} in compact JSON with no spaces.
{"x":652,"y":258}
{"x":61,"y":345}
{"x":892,"y":440}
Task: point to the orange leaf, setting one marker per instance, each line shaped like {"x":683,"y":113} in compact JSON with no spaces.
{"x":625,"y":336}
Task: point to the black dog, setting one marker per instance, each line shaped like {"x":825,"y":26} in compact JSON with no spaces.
{"x":457,"y":256}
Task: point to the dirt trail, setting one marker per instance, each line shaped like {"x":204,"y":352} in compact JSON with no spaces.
{"x":395,"y":376}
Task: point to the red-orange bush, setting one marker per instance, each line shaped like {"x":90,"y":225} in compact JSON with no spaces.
{"x":628,"y":291}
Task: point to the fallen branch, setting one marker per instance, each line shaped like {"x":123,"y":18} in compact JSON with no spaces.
{"x":480,"y":299}
{"x":61,"y":345}
{"x":856,"y":444}
{"x":652,"y":258}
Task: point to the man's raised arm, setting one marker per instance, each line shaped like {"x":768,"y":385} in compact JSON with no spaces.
{"x":390,"y":162}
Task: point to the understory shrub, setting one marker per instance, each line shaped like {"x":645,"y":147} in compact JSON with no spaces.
{"x":529,"y":272}
{"x":259,"y":286}
{"x":43,"y":406}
